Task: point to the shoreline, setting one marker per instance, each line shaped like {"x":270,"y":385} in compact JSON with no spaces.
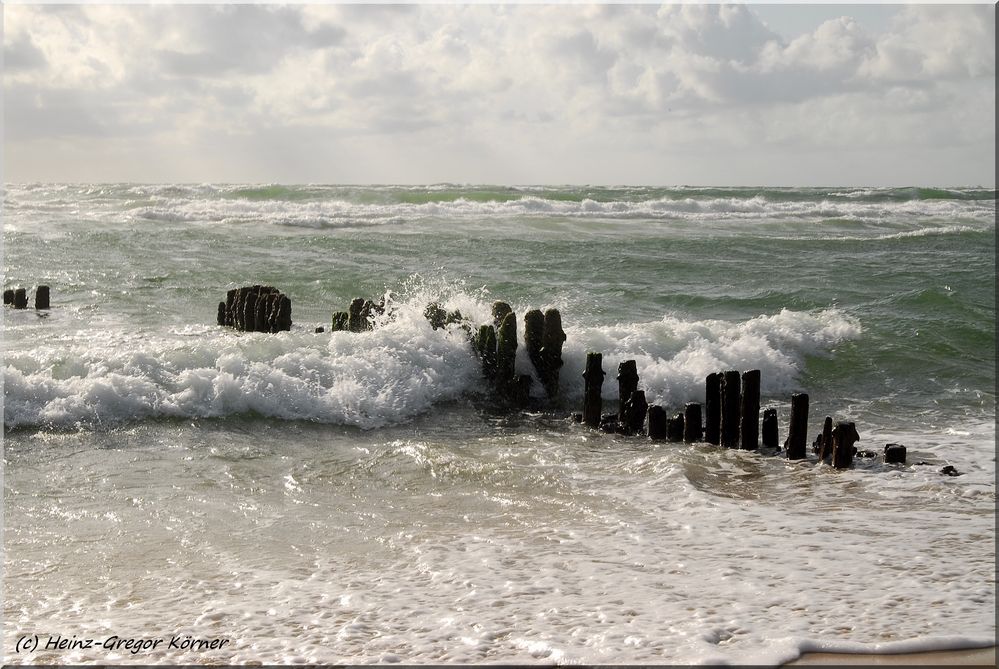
{"x":967,"y":657}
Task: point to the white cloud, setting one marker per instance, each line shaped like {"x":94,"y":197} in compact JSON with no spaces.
{"x":470,"y":92}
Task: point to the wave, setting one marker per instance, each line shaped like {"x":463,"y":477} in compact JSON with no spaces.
{"x":386,"y":376}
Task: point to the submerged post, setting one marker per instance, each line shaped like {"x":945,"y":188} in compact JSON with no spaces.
{"x":769,"y":436}
{"x":692,"y":422}
{"x":826,"y":440}
{"x":749,"y":428}
{"x":42,"y":297}
{"x":730,"y":405}
{"x":552,"y":338}
{"x":506,"y":352}
{"x":712,"y":409}
{"x":594,"y":378}
{"x":20,"y":298}
{"x":8,"y":296}
{"x":627,"y":383}
{"x":674,"y":428}
{"x":844,"y":437}
{"x":634,"y":412}
{"x":657,"y":423}
{"x":797,"y":429}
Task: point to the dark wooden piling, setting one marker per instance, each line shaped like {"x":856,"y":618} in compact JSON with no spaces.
{"x":712,"y":409}
{"x":692,"y":430}
{"x":250,"y":310}
{"x":230,"y":299}
{"x":485,"y":346}
{"x":749,"y":414}
{"x":826,"y":440}
{"x":552,"y":339}
{"x":506,"y":352}
{"x":262,"y":313}
{"x":627,"y":383}
{"x":674,"y":428}
{"x":797,"y":429}
{"x":284,"y":313}
{"x":731,"y":405}
{"x":8,"y":296}
{"x":20,"y":298}
{"x":769,"y":434}
{"x":635,"y":410}
{"x":594,"y":378}
{"x":657,"y":423}
{"x":356,"y":321}
{"x":340,"y":321}
{"x":500,"y":311}
{"x":42,"y":297}
{"x":534,"y":328}
{"x":220,"y":318}
{"x":844,"y":437}
{"x":894,"y":454}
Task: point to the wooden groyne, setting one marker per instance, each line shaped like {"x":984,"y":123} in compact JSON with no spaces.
{"x":17,"y":298}
{"x":255,"y":309}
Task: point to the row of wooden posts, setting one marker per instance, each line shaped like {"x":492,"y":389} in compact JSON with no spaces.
{"x":18,"y":297}
{"x":731,"y":416}
{"x":731,"y":409}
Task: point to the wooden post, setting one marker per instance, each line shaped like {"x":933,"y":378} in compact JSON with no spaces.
{"x":894,"y":454}
{"x":594,"y":378}
{"x":230,"y":299}
{"x":552,"y":338}
{"x":220,"y":318}
{"x":355,"y":315}
{"x":749,"y":428}
{"x":8,"y":296}
{"x":261,"y":313}
{"x":797,"y":429}
{"x":674,"y":428}
{"x":486,"y":347}
{"x":770,"y":439}
{"x":692,"y":422}
{"x":20,"y":298}
{"x":534,"y":327}
{"x":627,"y":383}
{"x":844,"y":437}
{"x":712,"y":409}
{"x":340,"y":321}
{"x":826,"y":441}
{"x":635,"y":410}
{"x":506,"y":352}
{"x":657,"y":423}
{"x":284,"y":313}
{"x":731,"y":406}
{"x":500,"y":310}
{"x":250,"y":310}
{"x":42,"y":297}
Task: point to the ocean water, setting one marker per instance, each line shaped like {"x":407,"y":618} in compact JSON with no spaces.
{"x":357,"y":497}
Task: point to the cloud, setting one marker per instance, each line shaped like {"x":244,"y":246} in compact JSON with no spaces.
{"x":563,"y":79}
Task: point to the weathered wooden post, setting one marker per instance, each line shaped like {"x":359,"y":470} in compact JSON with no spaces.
{"x":230,"y":299}
{"x":657,"y":423}
{"x":826,"y":440}
{"x":8,"y":296}
{"x":894,"y":454}
{"x":769,"y":436}
{"x":594,"y":378}
{"x":844,"y":437}
{"x":552,"y":338}
{"x":674,"y":428}
{"x":731,"y":406}
{"x":355,"y":315}
{"x":500,"y":311}
{"x":20,"y":298}
{"x":250,"y":310}
{"x":712,"y":409}
{"x":534,"y":327}
{"x":749,"y":425}
{"x":797,"y":429}
{"x":340,"y":321}
{"x":627,"y":383}
{"x":506,"y":352}
{"x":261,"y":313}
{"x":42,"y":297}
{"x":635,"y":410}
{"x":692,"y":422}
{"x":220,"y":318}
{"x":486,"y":346}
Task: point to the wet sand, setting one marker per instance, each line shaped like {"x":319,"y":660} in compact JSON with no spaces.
{"x":977,"y":657}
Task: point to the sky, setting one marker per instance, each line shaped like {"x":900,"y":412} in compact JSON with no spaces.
{"x":501,"y":94}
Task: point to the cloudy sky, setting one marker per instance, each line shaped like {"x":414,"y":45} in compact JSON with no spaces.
{"x":604,"y":94}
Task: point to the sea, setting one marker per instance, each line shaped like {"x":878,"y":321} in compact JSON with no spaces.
{"x":357,"y":497}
